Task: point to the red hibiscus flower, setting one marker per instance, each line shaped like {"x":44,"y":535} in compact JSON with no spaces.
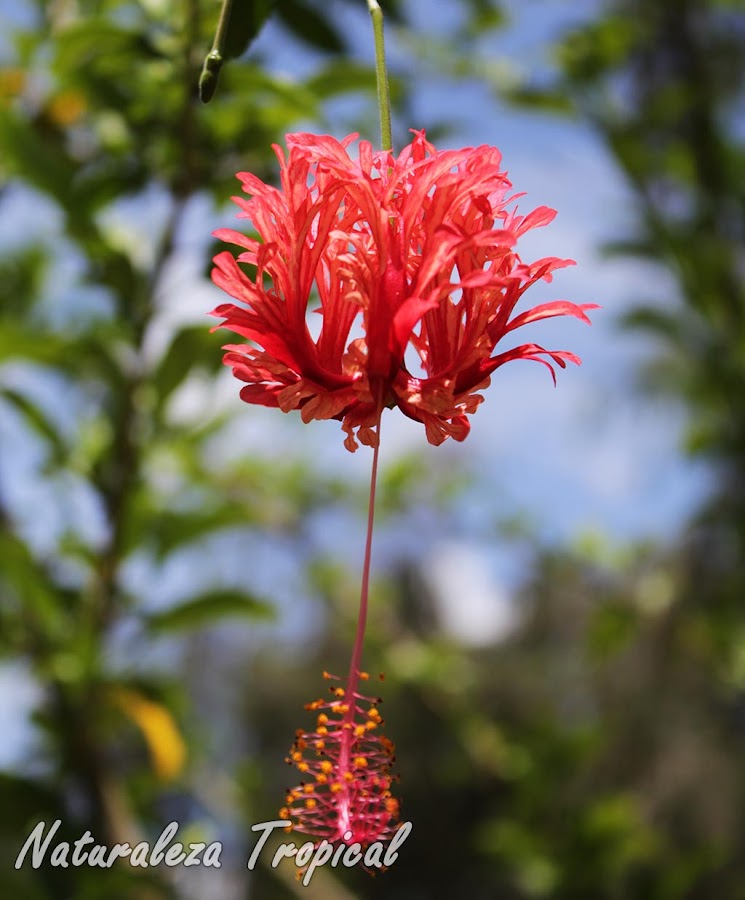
{"x":413,"y":252}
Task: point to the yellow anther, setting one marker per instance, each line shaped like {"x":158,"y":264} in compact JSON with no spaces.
{"x":326,"y":766}
{"x":322,"y":719}
{"x":310,"y":803}
{"x":303,"y":766}
{"x":309,"y":788}
{"x":323,"y":730}
{"x":370,"y":725}
{"x":336,"y":787}
{"x":321,"y":778}
{"x":364,"y":676}
{"x":338,"y":692}
{"x":320,"y":745}
{"x":297,"y":756}
{"x":348,"y":776}
{"x":284,"y":813}
{"x":360,"y":730}
{"x":360,"y":762}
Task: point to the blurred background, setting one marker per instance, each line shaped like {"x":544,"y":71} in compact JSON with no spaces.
{"x":557,"y":603}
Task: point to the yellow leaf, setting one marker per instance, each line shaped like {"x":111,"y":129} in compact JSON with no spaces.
{"x":12,"y":81}
{"x":162,"y":736}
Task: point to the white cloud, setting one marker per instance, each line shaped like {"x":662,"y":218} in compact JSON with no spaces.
{"x":472,"y":608}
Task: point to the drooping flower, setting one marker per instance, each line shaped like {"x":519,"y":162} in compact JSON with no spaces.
{"x":345,"y":795}
{"x":413,"y":252}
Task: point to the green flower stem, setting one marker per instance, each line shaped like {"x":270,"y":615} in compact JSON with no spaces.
{"x":381,"y":75}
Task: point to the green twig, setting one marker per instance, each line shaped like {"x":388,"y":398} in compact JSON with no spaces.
{"x":216,"y":57}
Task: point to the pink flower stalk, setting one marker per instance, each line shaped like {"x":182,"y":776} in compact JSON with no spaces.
{"x":409,"y":251}
{"x":346,"y":792}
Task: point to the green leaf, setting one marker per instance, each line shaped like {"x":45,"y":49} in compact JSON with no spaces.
{"x":38,"y":422}
{"x":38,"y":158}
{"x":193,"y":346}
{"x":23,"y":343}
{"x":21,"y":280}
{"x":32,"y":603}
{"x":166,"y":530}
{"x":612,"y":627}
{"x":246,"y":20}
{"x":485,"y":16}
{"x":341,"y":76}
{"x":92,"y":42}
{"x":540,"y":99}
{"x":207,"y":609}
{"x":656,"y":321}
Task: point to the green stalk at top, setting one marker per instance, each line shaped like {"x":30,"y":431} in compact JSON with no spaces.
{"x":381,"y":75}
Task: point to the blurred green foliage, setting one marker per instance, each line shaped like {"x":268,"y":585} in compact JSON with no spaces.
{"x":597,"y":751}
{"x":98,"y":109}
